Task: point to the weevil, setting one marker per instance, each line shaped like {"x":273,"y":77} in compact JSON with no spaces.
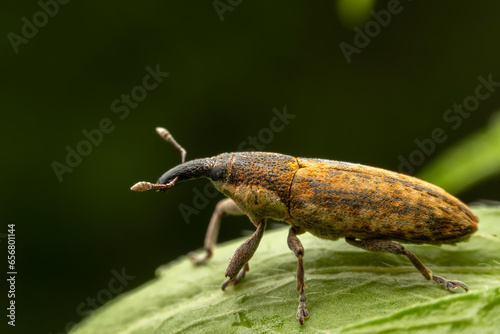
{"x":371,"y":208}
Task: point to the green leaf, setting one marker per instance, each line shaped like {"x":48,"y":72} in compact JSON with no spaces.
{"x":349,"y":290}
{"x":473,"y":160}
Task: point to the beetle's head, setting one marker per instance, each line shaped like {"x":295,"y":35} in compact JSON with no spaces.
{"x":214,"y":168}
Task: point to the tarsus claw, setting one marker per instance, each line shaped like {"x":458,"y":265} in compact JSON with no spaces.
{"x":450,"y":285}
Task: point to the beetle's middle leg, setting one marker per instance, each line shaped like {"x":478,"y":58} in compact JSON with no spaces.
{"x":384,"y":246}
{"x":296,"y":247}
{"x":238,"y":265}
{"x":225,"y":207}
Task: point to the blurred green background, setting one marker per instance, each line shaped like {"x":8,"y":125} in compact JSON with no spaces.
{"x":225,"y":78}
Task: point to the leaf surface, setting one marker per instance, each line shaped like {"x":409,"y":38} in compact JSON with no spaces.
{"x":349,"y":290}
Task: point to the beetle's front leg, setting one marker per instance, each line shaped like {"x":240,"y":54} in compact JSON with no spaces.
{"x":384,"y":246}
{"x":225,"y":207}
{"x":296,"y":247}
{"x":238,"y":265}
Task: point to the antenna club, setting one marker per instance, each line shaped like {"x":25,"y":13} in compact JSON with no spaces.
{"x":141,"y":186}
{"x":145,"y":186}
{"x":163,"y":132}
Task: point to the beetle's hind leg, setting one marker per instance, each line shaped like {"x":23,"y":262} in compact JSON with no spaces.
{"x":225,"y":207}
{"x":384,"y":246}
{"x":296,"y":247}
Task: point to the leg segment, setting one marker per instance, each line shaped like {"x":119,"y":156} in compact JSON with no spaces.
{"x":223,"y":208}
{"x":384,"y":246}
{"x":296,"y":247}
{"x":238,"y":277}
{"x":238,"y":265}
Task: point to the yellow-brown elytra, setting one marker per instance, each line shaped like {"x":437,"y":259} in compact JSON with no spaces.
{"x":371,"y":208}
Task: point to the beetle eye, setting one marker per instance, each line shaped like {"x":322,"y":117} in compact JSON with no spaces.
{"x":217,"y":173}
